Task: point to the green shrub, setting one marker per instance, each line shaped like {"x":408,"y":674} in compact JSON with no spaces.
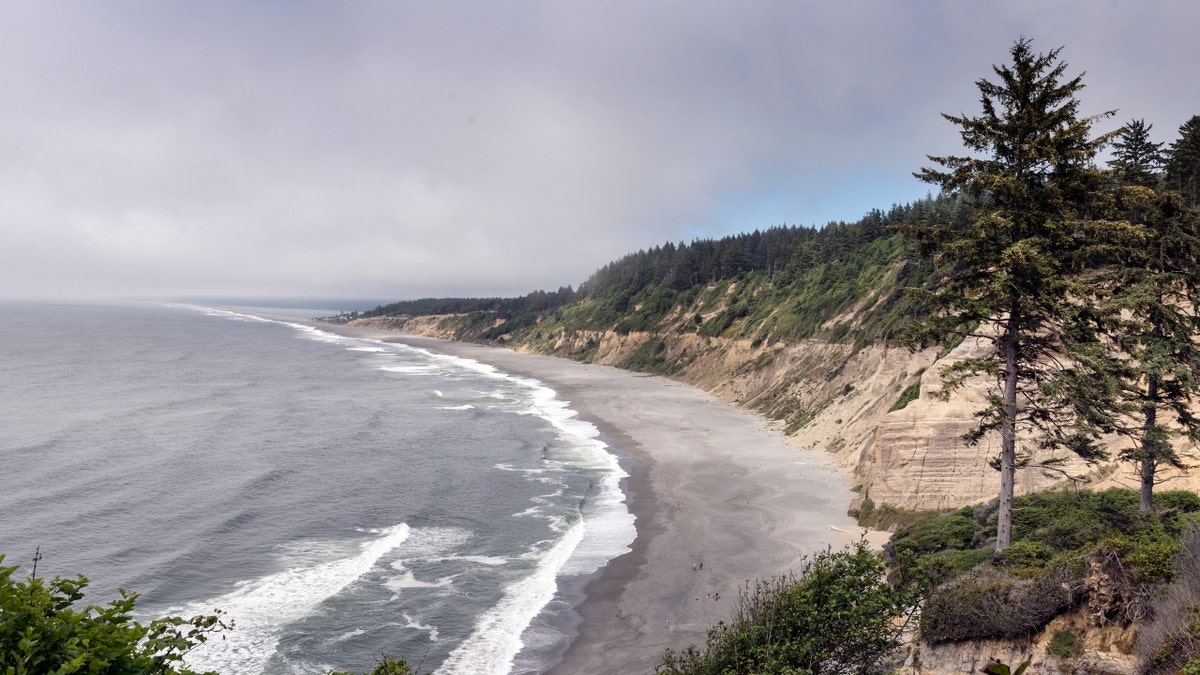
{"x":650,"y":357}
{"x":1026,"y":554}
{"x":1184,"y":501}
{"x":1065,"y":644}
{"x":1049,"y":525}
{"x":838,"y":615}
{"x":911,"y":393}
{"x":1147,"y":553}
{"x":954,"y":530}
{"x":717,"y":324}
{"x":43,"y":630}
{"x":1173,"y":638}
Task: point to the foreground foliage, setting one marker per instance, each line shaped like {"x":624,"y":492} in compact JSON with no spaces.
{"x":838,"y":616}
{"x":43,"y":630}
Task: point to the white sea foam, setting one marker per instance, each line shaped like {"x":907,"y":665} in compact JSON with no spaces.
{"x":260,"y":607}
{"x":410,"y":622}
{"x":406,"y":368}
{"x":407,"y":580}
{"x":496,"y":638}
{"x":477,"y":559}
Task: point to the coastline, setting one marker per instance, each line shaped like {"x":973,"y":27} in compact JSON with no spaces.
{"x":709,"y":485}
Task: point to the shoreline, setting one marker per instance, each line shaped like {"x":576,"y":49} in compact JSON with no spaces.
{"x":710,"y":485}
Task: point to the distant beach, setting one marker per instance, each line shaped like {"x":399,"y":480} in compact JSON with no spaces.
{"x":719,"y":498}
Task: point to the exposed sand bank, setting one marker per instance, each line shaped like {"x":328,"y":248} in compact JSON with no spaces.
{"x":709,"y":484}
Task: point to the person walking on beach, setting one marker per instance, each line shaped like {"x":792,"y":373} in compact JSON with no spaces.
{"x":693,"y":567}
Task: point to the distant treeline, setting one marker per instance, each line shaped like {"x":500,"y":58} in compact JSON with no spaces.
{"x":791,"y":279}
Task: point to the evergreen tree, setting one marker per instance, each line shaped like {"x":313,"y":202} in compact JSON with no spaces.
{"x":1136,"y":160}
{"x":1005,"y":277}
{"x":1183,"y":162}
{"x":1154,"y":290}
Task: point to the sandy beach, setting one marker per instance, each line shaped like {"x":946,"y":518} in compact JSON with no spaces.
{"x":710,"y":486}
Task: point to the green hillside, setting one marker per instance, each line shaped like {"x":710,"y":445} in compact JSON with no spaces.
{"x":844,"y":283}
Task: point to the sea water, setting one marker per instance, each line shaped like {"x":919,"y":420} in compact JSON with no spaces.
{"x":339,"y":499}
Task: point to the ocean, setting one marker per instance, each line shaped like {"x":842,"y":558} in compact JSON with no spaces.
{"x":340,"y":499}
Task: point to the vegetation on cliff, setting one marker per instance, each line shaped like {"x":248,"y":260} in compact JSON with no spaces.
{"x":838,"y":615}
{"x":841,"y":282}
{"x":1095,"y":552}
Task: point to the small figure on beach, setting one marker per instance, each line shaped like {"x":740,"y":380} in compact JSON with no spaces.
{"x":710,"y":596}
{"x":702,"y":565}
{"x":716,"y":596}
{"x":693,"y":567}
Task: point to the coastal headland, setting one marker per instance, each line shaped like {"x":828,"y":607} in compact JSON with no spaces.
{"x":719,"y":499}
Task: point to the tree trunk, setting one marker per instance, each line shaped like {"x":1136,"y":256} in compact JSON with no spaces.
{"x":1008,"y":437}
{"x":1149,"y":457}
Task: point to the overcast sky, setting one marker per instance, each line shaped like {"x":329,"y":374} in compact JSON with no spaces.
{"x":394,"y":149}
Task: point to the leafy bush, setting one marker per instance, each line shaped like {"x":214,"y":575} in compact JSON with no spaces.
{"x":1184,"y":501}
{"x":937,"y":547}
{"x":1024,"y":555}
{"x":1047,"y":526}
{"x":42,"y":630}
{"x":718,"y":324}
{"x":954,"y":530}
{"x":1064,"y":644}
{"x":1147,"y":553}
{"x":838,"y":616}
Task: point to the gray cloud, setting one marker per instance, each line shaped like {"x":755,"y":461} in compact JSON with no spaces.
{"x":395,"y":149}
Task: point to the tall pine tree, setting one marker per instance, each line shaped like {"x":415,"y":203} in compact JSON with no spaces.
{"x":1154,"y":290}
{"x":1136,"y":159}
{"x":1183,"y":162}
{"x":1006,"y":277}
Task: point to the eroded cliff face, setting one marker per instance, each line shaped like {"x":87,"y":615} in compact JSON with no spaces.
{"x":833,"y":398}
{"x":1104,"y":650}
